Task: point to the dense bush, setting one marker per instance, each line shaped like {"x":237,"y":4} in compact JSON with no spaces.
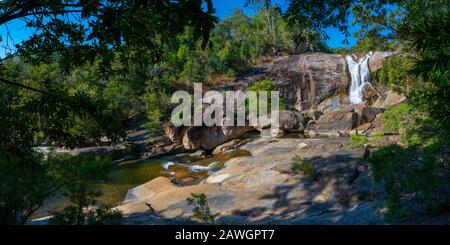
{"x":265,"y":86}
{"x":200,"y":210}
{"x":414,"y":127}
{"x":396,"y":74}
{"x":156,"y":106}
{"x":24,"y":184}
{"x":357,"y":141}
{"x":299,"y":165}
{"x":79,"y":175}
{"x":97,"y":216}
{"x":395,"y":118}
{"x":416,"y":180}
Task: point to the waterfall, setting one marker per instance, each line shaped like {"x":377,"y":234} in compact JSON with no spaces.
{"x":360,"y":75}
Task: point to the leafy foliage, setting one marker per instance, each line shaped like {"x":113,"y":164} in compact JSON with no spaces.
{"x":73,"y":108}
{"x":201,"y":210}
{"x":357,"y":141}
{"x":265,"y":86}
{"x":24,"y":184}
{"x":157,"y":107}
{"x":414,"y":127}
{"x":414,"y":184}
{"x":79,"y":31}
{"x":97,"y":216}
{"x":80,"y":175}
{"x":299,"y":165}
{"x":425,"y":29}
{"x":376,"y":139}
{"x":395,"y":117}
{"x":396,"y":74}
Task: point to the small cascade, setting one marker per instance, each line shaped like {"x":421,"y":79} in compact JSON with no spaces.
{"x":360,"y":75}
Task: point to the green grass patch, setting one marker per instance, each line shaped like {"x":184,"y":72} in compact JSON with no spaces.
{"x":299,"y":165}
{"x":357,"y":141}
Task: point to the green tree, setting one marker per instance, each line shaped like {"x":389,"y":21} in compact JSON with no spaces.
{"x":79,"y":30}
{"x":24,"y":185}
{"x":80,"y":176}
{"x":116,"y":34}
{"x":201,"y":210}
{"x":425,"y":28}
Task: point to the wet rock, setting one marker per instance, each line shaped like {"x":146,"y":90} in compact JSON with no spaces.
{"x":227,"y":146}
{"x":174,"y":149}
{"x":99,"y":151}
{"x":198,"y":153}
{"x":233,"y":132}
{"x":203,"y":138}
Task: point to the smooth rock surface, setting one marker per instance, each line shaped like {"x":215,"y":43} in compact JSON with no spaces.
{"x":261,"y":189}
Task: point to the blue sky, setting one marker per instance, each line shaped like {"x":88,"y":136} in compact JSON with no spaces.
{"x":223,"y":8}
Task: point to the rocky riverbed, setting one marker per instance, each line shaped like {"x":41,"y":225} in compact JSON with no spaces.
{"x":262,"y":188}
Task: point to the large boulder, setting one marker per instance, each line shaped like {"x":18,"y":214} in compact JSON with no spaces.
{"x":233,"y":132}
{"x":175,"y":134}
{"x":335,"y":122}
{"x":208,"y":138}
{"x":334,"y":102}
{"x":343,"y":119}
{"x":389,"y":99}
{"x":289,"y":121}
{"x":368,"y":114}
{"x":311,"y":116}
{"x":306,"y":80}
{"x":203,"y":138}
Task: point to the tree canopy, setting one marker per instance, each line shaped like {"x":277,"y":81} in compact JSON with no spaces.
{"x":91,"y":68}
{"x":83,"y":30}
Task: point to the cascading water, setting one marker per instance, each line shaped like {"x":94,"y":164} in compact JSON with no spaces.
{"x":360,"y":75}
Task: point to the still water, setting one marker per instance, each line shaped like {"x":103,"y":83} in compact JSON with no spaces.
{"x":181,"y":169}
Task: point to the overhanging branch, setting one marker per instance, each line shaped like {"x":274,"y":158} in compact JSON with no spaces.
{"x":25,"y":87}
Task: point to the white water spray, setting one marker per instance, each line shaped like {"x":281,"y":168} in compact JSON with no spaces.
{"x":360,"y":74}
